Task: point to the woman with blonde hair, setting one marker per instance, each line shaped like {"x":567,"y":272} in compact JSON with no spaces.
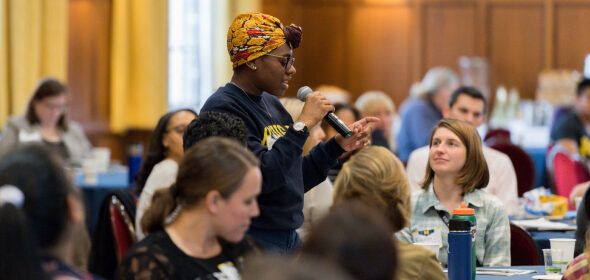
{"x":457,"y":172}
{"x":317,"y":201}
{"x":376,"y":177}
{"x":378,"y":104}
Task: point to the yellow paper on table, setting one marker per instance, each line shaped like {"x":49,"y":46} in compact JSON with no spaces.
{"x":555,"y":203}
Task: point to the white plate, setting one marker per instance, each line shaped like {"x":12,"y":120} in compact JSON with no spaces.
{"x":548,"y":277}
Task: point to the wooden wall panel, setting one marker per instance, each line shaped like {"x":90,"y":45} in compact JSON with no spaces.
{"x":515,"y":45}
{"x":284,"y":10}
{"x":572,"y":43}
{"x":88,"y":63}
{"x":449,"y":32}
{"x":377,"y":51}
{"x":321,"y":57}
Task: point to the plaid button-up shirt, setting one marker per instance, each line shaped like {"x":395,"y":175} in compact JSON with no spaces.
{"x":493,"y":228}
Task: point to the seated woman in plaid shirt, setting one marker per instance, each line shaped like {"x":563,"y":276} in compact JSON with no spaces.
{"x":457,"y":172}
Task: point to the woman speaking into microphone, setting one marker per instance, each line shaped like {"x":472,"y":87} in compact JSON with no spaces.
{"x":261,"y":50}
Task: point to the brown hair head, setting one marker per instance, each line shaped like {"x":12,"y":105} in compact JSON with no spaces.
{"x":376,"y":177}
{"x":358,"y":239}
{"x":474,"y":174}
{"x":47,"y":87}
{"x":213,"y":164}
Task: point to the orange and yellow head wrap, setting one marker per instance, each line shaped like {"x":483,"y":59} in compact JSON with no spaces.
{"x":251,"y":36}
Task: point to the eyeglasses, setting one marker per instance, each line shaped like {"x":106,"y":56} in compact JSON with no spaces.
{"x":180,"y":129}
{"x":286,"y":61}
{"x":54,"y":107}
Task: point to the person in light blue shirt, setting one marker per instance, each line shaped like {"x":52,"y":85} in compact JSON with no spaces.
{"x":457,"y":172}
{"x":420,"y":113}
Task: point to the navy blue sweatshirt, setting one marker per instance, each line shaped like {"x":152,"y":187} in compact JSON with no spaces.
{"x":286,"y":174}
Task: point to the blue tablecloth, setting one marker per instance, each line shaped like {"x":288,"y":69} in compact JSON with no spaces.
{"x":95,"y":192}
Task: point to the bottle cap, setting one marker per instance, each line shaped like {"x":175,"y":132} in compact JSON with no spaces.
{"x":464,"y":210}
{"x":459,"y":225}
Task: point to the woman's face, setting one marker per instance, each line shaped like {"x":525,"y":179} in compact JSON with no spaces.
{"x":447,"y":153}
{"x":172,"y":139}
{"x":233,"y":215}
{"x":272,"y":74}
{"x":50,"y":109}
{"x":386,"y":117}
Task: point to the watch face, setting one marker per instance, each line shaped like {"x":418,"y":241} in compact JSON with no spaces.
{"x":299,"y":126}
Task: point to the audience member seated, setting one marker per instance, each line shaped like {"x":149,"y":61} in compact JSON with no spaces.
{"x":375,"y":177}
{"x":570,"y":131}
{"x":214,"y":124}
{"x":349,"y":115}
{"x":378,"y":104}
{"x":317,"y":201}
{"x":46,"y":121}
{"x":196,"y":227}
{"x":41,"y":217}
{"x":358,"y":239}
{"x":334,"y":94}
{"x":160,"y":166}
{"x":449,"y":180}
{"x":468,"y":104}
{"x":420,"y":113}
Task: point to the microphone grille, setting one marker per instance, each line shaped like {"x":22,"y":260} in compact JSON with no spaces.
{"x":303,"y":92}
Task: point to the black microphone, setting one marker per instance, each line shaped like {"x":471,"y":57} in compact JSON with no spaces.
{"x":330,"y":118}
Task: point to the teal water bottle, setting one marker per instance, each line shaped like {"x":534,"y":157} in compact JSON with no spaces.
{"x":464,"y":213}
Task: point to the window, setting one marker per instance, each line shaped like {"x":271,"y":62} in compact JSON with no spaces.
{"x":190,"y":52}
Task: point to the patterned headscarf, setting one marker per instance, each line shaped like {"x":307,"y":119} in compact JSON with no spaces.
{"x":251,"y":36}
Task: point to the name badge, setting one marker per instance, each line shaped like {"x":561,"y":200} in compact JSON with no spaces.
{"x":25,"y":136}
{"x":428,"y":235}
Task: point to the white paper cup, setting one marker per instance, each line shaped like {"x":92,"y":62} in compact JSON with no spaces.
{"x":566,"y":245}
{"x":90,"y":170}
{"x":102,"y":157}
{"x":432,"y":247}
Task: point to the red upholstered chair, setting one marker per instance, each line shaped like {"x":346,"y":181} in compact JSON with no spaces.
{"x":567,"y":173}
{"x":523,"y":249}
{"x":497,"y":134}
{"x":122,"y":226}
{"x":522,"y":162}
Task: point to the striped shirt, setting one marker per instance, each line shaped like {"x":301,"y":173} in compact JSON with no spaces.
{"x":493,"y":229}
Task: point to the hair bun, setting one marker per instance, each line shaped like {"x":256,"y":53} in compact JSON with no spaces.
{"x":293,"y":35}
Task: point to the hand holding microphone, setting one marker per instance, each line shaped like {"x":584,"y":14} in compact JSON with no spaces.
{"x":318,"y":107}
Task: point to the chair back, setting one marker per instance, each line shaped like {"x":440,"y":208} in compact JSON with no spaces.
{"x":497,"y":134}
{"x":567,"y":173}
{"x":524,"y":166}
{"x":523,"y":249}
{"x":122,"y":227}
